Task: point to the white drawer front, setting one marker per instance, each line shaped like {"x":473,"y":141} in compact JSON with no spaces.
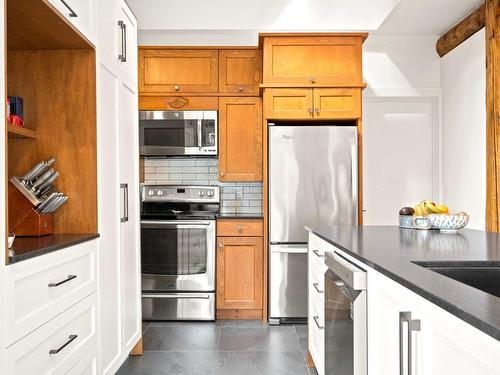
{"x":87,"y":365}
{"x":316,"y":342}
{"x":32,"y":354}
{"x":317,"y":299}
{"x":32,"y":291}
{"x":79,"y":13}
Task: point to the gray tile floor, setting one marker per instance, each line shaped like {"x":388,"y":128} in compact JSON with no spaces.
{"x":230,"y":347}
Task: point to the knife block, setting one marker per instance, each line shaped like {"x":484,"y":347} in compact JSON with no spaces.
{"x":24,"y":220}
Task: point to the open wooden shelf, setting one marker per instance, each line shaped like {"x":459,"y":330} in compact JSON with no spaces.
{"x":18,"y":132}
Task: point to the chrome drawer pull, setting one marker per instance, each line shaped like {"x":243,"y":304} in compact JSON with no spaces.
{"x":71,"y":338}
{"x":70,"y":277}
{"x":71,"y":11}
{"x":318,"y":254}
{"x":413,"y":325}
{"x":316,"y":286}
{"x":316,"y":320}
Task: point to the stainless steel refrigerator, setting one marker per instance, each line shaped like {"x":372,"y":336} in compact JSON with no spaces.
{"x":313,"y":173}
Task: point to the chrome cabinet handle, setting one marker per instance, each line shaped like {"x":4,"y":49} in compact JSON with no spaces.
{"x":316,"y":286}
{"x":69,"y":278}
{"x":310,"y":110}
{"x":71,"y":11}
{"x":313,"y":80}
{"x":221,"y":173}
{"x":317,"y":111}
{"x":316,"y":320}
{"x":413,"y":325}
{"x":176,"y":88}
{"x":123,"y":55}
{"x":221,"y":245}
{"x":316,"y":252}
{"x":124,"y":218}
{"x":71,"y":338}
{"x":240,"y":89}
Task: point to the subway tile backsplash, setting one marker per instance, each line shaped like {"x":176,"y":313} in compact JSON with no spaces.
{"x":236,"y":197}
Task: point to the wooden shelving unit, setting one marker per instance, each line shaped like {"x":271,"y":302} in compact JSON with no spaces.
{"x":18,"y":132}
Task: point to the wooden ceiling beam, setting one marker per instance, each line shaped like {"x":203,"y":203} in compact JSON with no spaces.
{"x":493,"y":115}
{"x":462,"y":31}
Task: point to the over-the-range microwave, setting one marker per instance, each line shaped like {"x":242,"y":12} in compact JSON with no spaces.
{"x":178,"y":133}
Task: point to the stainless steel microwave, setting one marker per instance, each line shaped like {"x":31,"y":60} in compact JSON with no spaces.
{"x":178,"y":133}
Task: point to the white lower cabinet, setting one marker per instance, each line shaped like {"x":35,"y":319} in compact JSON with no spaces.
{"x":88,"y":365}
{"x":40,"y":288}
{"x":316,"y":301}
{"x":59,"y":344}
{"x":440,"y":343}
{"x":432,"y":341}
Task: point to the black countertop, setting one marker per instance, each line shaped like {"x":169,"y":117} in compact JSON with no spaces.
{"x":392,"y":251}
{"x":239,"y":216}
{"x":30,"y":247}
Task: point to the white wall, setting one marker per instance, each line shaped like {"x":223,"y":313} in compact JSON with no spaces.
{"x":463,"y":80}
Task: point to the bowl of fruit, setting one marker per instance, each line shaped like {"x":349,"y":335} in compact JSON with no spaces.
{"x":429,"y":215}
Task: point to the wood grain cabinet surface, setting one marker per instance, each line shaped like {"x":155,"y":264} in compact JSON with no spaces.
{"x":312,"y":103}
{"x":239,"y":272}
{"x":314,"y":60}
{"x":172,"y":71}
{"x":240,"y":71}
{"x":240,"y":139}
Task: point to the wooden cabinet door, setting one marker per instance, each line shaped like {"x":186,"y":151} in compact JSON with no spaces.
{"x":239,"y":272}
{"x":310,"y":60}
{"x":337,"y":104}
{"x":240,"y":71}
{"x":240,"y":139}
{"x":288,"y":104}
{"x":177,"y":71}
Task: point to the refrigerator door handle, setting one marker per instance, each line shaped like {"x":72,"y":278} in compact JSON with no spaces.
{"x":354,"y":177}
{"x":289,"y":249}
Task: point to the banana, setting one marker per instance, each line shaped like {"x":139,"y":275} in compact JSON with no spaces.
{"x":443,"y":209}
{"x":431,"y":206}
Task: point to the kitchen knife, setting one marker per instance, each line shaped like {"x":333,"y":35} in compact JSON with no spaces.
{"x":48,"y":207}
{"x":44,"y":177}
{"x":45,"y":190}
{"x":32,"y":171}
{"x":46,"y":201}
{"x":58,"y":204}
{"x":49,"y":181}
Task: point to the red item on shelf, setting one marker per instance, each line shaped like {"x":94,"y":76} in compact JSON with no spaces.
{"x":16,"y":120}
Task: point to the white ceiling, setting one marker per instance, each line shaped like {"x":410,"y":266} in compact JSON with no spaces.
{"x":243,"y":19}
{"x":426,"y":17}
{"x":261,"y":15}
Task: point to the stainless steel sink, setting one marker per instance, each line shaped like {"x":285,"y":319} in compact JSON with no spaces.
{"x":485,"y":278}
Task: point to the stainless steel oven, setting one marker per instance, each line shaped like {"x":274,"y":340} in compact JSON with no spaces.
{"x":178,"y":133}
{"x":178,"y":252}
{"x":345,"y":317}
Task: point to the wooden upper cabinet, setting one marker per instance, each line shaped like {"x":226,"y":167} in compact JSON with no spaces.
{"x":312,"y":103}
{"x":339,"y":104}
{"x":240,"y":71}
{"x":240,"y":139}
{"x":283,"y":104}
{"x":313,"y":60}
{"x":170,"y":71}
{"x":239,"y":272}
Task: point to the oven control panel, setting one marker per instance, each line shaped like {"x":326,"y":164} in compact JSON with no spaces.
{"x":175,"y":193}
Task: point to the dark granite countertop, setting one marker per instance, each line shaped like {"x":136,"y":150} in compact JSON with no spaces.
{"x":30,"y":247}
{"x":239,"y":216}
{"x":392,"y":251}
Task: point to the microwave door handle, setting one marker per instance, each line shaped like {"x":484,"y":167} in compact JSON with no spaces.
{"x":200,"y":143}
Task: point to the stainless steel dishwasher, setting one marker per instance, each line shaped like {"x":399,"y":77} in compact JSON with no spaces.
{"x":345,"y":317}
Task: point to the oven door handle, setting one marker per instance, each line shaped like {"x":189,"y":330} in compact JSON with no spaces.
{"x":200,"y":140}
{"x":177,"y":223}
{"x":177,"y":296}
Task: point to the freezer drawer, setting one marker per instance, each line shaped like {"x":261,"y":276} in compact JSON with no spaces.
{"x":178,"y":306}
{"x":288,"y":281}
